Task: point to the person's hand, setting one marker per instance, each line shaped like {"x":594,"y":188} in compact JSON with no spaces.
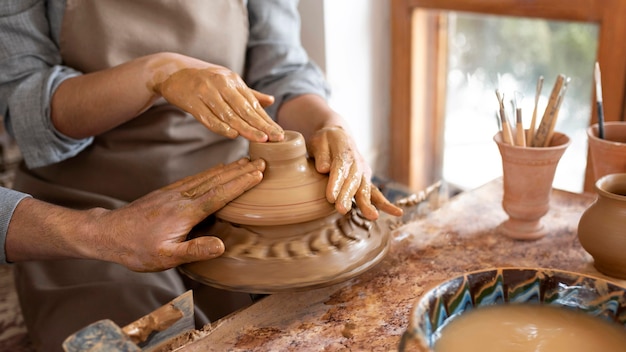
{"x":335,"y":153}
{"x":221,"y":101}
{"x":149,"y":234}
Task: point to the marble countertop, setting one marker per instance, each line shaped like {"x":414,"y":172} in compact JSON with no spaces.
{"x":371,"y":311}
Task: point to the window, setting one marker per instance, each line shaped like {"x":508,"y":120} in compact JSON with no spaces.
{"x":420,"y":79}
{"x":486,"y":53}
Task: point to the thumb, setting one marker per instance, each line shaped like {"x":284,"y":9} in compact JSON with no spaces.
{"x":199,"y":248}
{"x":264,"y":99}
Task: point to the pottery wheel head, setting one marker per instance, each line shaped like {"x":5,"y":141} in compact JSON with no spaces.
{"x":291,"y":192}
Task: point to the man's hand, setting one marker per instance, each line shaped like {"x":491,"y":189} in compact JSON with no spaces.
{"x":149,"y":234}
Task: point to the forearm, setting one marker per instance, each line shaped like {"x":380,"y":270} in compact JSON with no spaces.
{"x":308,"y":113}
{"x":42,"y":231}
{"x":93,"y":103}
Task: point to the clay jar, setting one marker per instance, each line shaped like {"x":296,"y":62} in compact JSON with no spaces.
{"x":602,"y":227}
{"x":528,"y":173}
{"x":292,"y":191}
{"x":283,"y":235}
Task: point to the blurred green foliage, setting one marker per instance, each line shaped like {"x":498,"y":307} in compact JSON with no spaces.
{"x":527,"y":48}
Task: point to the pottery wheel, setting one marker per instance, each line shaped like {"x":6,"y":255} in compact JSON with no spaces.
{"x":283,"y":235}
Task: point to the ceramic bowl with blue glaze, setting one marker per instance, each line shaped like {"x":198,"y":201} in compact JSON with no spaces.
{"x":581,"y":292}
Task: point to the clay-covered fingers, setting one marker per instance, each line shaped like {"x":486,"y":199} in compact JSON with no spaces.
{"x":348,"y":174}
{"x":369,"y":199}
{"x":264,"y":99}
{"x":188,"y":183}
{"x":343,"y":182}
{"x":215,"y":189}
{"x":251,"y":112}
{"x":197,"y":249}
{"x":219,"y":99}
{"x":363,"y":200}
{"x":333,"y":153}
{"x":233,"y":108}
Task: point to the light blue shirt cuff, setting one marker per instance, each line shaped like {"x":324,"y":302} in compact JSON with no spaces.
{"x":9,"y":201}
{"x":40,"y":142}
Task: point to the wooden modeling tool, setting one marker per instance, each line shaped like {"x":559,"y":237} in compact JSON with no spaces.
{"x":507,"y":134}
{"x":599,"y":104}
{"x":556,"y":113}
{"x":533,"y":122}
{"x":520,"y":136}
{"x":541,"y":137}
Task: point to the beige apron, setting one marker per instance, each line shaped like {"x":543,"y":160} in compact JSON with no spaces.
{"x":162,"y":145}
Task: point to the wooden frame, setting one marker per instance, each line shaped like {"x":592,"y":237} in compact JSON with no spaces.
{"x":418,"y":74}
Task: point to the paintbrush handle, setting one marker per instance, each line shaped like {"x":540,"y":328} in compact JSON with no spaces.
{"x":598,"y":80}
{"x":533,"y":122}
{"x":600,"y":119}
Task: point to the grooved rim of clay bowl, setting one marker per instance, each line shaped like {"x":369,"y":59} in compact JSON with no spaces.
{"x":296,"y":282}
{"x":512,"y":285}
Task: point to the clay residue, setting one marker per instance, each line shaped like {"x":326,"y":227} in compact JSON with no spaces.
{"x":159,"y":320}
{"x":254,"y":338}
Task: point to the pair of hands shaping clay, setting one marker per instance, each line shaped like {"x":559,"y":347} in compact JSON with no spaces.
{"x":297,"y":228}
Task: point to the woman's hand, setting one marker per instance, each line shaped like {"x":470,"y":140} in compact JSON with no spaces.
{"x":335,"y":153}
{"x":150,"y":233}
{"x":221,"y":101}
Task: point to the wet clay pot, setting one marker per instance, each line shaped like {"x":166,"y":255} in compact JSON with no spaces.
{"x":528,"y":173}
{"x":283,"y":234}
{"x":602,"y":227}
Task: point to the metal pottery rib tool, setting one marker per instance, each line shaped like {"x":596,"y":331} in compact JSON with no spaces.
{"x":149,"y":333}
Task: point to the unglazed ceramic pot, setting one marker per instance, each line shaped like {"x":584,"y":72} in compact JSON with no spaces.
{"x":608,"y":154}
{"x":602,"y":227}
{"x":474,"y":290}
{"x":284,"y":235}
{"x":528,"y":173}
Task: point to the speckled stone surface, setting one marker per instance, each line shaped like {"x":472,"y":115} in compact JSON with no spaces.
{"x":370,"y":312}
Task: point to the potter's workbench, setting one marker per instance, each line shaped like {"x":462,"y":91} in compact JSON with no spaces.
{"x":370,"y":312}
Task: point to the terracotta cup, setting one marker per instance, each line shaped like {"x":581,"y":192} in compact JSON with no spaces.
{"x":608,"y":155}
{"x":528,"y":173}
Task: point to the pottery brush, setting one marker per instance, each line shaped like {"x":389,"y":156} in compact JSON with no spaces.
{"x":599,"y":104}
{"x":541,"y":135}
{"x":507,"y":135}
{"x":520,"y":136}
{"x":531,"y":129}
